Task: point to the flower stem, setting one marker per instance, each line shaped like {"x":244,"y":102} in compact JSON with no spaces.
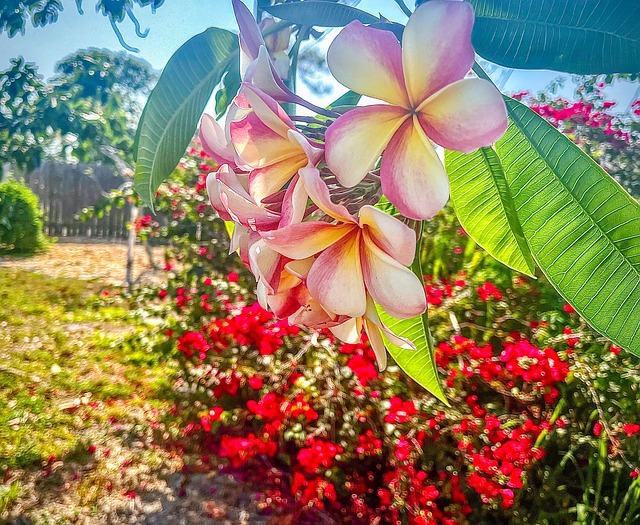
{"x":278,"y":26}
{"x":481,"y":73}
{"x":404,"y":7}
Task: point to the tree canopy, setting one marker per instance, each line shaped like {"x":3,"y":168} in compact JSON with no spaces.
{"x":15,"y":14}
{"x":92,"y":102}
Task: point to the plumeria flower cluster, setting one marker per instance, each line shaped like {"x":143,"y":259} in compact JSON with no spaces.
{"x":301,"y":191}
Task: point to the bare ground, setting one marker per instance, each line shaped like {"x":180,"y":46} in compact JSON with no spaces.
{"x":100,"y":261}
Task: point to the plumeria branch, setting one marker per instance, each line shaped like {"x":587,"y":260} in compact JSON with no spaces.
{"x":404,"y":7}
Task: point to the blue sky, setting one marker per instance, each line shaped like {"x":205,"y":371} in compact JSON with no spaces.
{"x":175,"y":22}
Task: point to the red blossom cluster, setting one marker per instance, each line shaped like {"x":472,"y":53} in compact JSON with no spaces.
{"x":240,"y":449}
{"x":400,"y":411}
{"x":488,"y":291}
{"x":143,"y":222}
{"x":520,"y":367}
{"x":566,"y":114}
{"x":193,"y":343}
{"x":443,"y":289}
{"x":251,"y":326}
{"x":318,"y":455}
{"x":361,"y":361}
{"x":498,"y":456}
{"x":583,"y":113}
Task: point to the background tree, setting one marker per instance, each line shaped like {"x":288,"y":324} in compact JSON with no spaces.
{"x":87,"y":112}
{"x":104,"y":90}
{"x":25,"y":109}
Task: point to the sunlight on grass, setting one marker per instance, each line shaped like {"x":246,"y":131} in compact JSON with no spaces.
{"x":61,"y":351}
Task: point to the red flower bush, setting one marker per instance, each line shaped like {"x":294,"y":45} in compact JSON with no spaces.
{"x":286,"y":411}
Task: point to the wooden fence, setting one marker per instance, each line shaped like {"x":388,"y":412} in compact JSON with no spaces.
{"x":65,"y":190}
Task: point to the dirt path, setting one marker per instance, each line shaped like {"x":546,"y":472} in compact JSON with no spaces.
{"x":104,"y":262}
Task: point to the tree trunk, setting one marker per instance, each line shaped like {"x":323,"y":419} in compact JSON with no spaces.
{"x":149,"y":250}
{"x":131,"y":246}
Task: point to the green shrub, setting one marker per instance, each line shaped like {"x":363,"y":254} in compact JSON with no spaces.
{"x":20,"y":219}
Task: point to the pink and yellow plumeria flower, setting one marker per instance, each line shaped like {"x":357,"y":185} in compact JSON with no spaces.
{"x":229,"y":197}
{"x":256,"y":65}
{"x":428,"y":99}
{"x":215,"y":142}
{"x":356,"y":257}
{"x":293,"y":300}
{"x":267,"y":141}
{"x":277,"y":45}
{"x":281,"y":288}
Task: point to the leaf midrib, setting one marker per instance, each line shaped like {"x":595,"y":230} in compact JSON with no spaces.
{"x":518,"y":238}
{"x":495,"y":184}
{"x":175,"y":115}
{"x":588,"y":30}
{"x":527,"y":261}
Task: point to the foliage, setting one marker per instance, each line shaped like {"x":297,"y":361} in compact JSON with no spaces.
{"x":101,"y":74}
{"x":550,"y":34}
{"x":14,"y":14}
{"x":24,"y":113}
{"x":88,"y":111}
{"x":20,"y":219}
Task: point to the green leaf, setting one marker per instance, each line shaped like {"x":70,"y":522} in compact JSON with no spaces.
{"x":582,"y":227}
{"x":418,"y":364}
{"x":230,"y":86}
{"x":350,"y":98}
{"x":583,"y":37}
{"x":484,"y":206}
{"x":319,"y":13}
{"x":171,"y":115}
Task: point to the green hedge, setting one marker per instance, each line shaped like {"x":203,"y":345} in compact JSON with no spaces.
{"x":20,"y":219}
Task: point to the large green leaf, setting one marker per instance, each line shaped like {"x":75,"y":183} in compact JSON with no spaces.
{"x":584,"y":37}
{"x":582,"y":227}
{"x":319,"y":13}
{"x":171,"y":115}
{"x":484,"y":206}
{"x":418,"y":364}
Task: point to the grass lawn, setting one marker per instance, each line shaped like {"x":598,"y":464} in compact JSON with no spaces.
{"x":76,"y":401}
